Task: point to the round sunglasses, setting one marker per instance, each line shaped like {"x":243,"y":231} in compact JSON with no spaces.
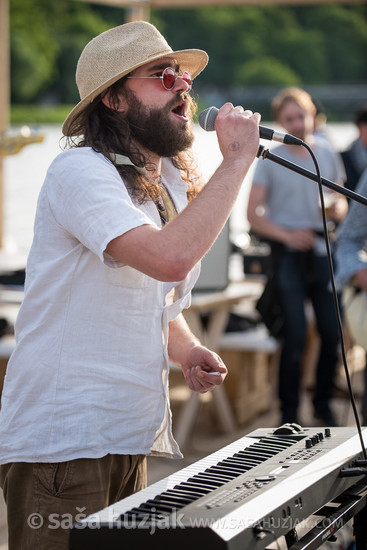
{"x":169,"y":77}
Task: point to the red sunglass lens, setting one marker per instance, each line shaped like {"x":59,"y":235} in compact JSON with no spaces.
{"x":187,"y":78}
{"x":169,"y":78}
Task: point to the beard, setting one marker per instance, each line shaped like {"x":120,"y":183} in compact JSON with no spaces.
{"x":154,"y":128}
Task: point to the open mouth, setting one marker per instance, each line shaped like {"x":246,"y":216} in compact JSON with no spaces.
{"x":180,"y":110}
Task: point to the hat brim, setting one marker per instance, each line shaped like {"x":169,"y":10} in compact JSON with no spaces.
{"x":193,"y":61}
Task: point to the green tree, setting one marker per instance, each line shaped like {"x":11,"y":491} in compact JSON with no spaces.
{"x":344,"y":32}
{"x":248,"y":45}
{"x":46,"y":39}
{"x":33,"y":50}
{"x":267,"y":71}
{"x":318,"y":44}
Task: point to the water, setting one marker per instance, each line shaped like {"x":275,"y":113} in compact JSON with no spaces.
{"x":24,"y":174}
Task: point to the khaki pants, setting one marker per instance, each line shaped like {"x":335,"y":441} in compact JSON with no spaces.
{"x":45,"y":499}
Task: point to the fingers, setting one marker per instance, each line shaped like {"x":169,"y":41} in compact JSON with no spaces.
{"x":229,"y":109}
{"x":226,"y":108}
{"x":302,"y":239}
{"x":202,"y":381}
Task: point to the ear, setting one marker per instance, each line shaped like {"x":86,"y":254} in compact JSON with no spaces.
{"x":107,"y":100}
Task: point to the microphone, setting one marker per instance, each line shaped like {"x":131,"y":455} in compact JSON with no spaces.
{"x":208,"y":116}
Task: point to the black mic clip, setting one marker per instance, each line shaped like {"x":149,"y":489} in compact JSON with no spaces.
{"x":262,"y":152}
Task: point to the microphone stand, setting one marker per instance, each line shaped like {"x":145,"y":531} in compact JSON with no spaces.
{"x":359,"y":466}
{"x":266,"y":154}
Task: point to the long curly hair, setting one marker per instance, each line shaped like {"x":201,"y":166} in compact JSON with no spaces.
{"x":106,"y":131}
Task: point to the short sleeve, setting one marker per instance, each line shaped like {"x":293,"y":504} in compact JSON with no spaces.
{"x":262,"y":173}
{"x":89,"y":199}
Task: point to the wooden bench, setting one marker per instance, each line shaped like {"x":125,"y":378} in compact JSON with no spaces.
{"x":251,"y":357}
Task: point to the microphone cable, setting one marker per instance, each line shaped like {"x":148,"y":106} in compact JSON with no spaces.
{"x":207,"y":122}
{"x":335,"y":298}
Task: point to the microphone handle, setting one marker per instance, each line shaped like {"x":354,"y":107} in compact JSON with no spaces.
{"x":266,"y":133}
{"x":207,"y":122}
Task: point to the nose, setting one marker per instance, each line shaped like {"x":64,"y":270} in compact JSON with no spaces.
{"x":181,"y":86}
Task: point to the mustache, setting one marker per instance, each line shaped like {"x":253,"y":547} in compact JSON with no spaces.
{"x":179,"y":98}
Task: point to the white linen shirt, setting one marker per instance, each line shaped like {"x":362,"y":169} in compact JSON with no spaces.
{"x":89,"y":374}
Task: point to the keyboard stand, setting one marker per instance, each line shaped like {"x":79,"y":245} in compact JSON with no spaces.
{"x":350,"y":504}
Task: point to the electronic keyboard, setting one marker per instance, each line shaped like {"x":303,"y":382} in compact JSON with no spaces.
{"x":243,"y":496}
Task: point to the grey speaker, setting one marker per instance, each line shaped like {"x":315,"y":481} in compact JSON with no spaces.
{"x":215,"y":265}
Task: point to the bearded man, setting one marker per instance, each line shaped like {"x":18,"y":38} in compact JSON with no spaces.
{"x":121,"y":226}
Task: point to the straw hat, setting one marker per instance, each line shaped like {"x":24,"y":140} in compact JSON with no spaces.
{"x":118,"y":51}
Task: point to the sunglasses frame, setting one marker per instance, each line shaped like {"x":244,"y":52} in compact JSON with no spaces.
{"x":174,"y":74}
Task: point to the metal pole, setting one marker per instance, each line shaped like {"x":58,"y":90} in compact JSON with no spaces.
{"x":4,"y":95}
{"x":138,"y":12}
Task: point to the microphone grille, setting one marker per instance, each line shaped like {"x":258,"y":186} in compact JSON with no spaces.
{"x":207,"y":118}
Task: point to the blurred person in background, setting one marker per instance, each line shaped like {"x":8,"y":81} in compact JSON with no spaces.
{"x":320,"y":129}
{"x":351,"y":262}
{"x":284,"y":208}
{"x":355,"y":157}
